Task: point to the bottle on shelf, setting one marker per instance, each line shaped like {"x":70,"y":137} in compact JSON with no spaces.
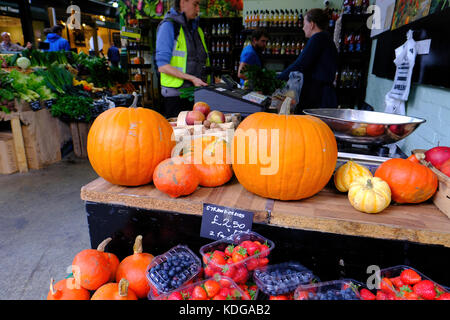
{"x":270,"y":20}
{"x":276,"y":19}
{"x":227,"y":29}
{"x":283,"y":48}
{"x":300,"y":19}
{"x":213,"y":47}
{"x":357,"y":6}
{"x":213,"y":30}
{"x":268,"y":49}
{"x":295,"y":19}
{"x":347,"y":7}
{"x":227,"y":46}
{"x":245,"y":20}
{"x":224,"y":66}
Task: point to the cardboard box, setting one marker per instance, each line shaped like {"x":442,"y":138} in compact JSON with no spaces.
{"x":8,"y":161}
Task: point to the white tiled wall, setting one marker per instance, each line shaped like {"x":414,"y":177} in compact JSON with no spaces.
{"x":427,"y":102}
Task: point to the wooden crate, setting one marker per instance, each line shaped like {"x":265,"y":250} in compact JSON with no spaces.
{"x":8,"y":159}
{"x":185,"y":131}
{"x":442,"y":197}
{"x":79,"y":131}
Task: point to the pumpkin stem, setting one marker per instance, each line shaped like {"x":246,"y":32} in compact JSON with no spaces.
{"x":123,"y":287}
{"x":135,"y":101}
{"x":285,"y":106}
{"x":101,"y":247}
{"x":137,"y":248}
{"x":52,"y":289}
{"x":369,"y":183}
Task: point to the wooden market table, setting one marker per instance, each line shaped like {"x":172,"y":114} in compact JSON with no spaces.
{"x":325,"y":232}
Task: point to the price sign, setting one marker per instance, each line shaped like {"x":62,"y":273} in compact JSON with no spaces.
{"x":220,"y":222}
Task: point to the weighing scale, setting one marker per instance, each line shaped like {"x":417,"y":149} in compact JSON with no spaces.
{"x":228,"y":98}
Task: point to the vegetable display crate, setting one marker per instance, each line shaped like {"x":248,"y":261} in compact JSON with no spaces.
{"x":183,"y":130}
{"x":441,"y":199}
{"x":79,"y":131}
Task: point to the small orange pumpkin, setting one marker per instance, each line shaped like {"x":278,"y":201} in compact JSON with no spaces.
{"x":410,"y":182}
{"x":176,"y":177}
{"x":91,"y":268}
{"x":113,"y":261}
{"x":67,"y":289}
{"x":115,"y":291}
{"x":134,"y":268}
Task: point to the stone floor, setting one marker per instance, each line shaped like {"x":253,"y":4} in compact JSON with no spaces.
{"x":43,"y":225}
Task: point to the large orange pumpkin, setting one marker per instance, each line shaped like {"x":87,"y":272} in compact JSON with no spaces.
{"x":285,"y":157}
{"x":134,"y":267}
{"x":210,"y":157}
{"x":67,"y":289}
{"x":126,"y":144}
{"x":115,"y":291}
{"x":410,"y":182}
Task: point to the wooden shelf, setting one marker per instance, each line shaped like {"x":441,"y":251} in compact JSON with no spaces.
{"x":328,"y":211}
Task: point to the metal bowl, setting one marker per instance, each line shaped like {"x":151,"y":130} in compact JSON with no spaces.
{"x":366,"y":127}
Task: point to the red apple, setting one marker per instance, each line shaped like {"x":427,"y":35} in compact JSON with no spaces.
{"x":437,"y":156}
{"x":375,"y":130}
{"x":194,"y":117}
{"x":445,"y":168}
{"x":203,"y":107}
{"x":216,"y":116}
{"x":397,"y":129}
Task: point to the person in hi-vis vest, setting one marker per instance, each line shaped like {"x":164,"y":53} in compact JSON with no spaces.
{"x":181,"y":54}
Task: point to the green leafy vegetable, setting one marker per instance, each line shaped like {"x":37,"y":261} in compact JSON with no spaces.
{"x":73,"y":107}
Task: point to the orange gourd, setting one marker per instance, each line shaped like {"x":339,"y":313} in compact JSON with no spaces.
{"x":285,"y":157}
{"x":91,"y":269}
{"x":115,"y":291}
{"x":113,"y":261}
{"x":134,"y":268}
{"x":126,"y":144}
{"x":67,"y":289}
{"x":210,"y":157}
{"x":410,"y":182}
{"x":176,"y":177}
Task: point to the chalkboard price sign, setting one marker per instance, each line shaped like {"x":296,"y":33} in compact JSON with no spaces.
{"x":220,"y":222}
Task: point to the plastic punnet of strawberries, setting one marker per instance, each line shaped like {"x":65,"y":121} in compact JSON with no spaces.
{"x":237,"y":261}
{"x":409,"y":285}
{"x":216,"y":288}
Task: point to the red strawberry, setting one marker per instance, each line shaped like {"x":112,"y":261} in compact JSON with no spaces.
{"x":229,"y":271}
{"x":241,"y":275}
{"x":252,"y":264}
{"x":381,"y":295}
{"x":425,"y":289}
{"x":397,"y":282}
{"x":366,"y":294}
{"x":175,"y":296}
{"x":444,"y":296}
{"x":302,"y":295}
{"x":387,"y":286}
{"x":409,"y":276}
{"x":229,"y":250}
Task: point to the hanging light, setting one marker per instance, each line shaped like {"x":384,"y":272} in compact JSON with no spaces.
{"x":115,"y":4}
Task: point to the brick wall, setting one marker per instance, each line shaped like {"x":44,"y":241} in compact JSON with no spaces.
{"x":427,"y":102}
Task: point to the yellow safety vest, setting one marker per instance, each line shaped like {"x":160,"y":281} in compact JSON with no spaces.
{"x":179,"y":60}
